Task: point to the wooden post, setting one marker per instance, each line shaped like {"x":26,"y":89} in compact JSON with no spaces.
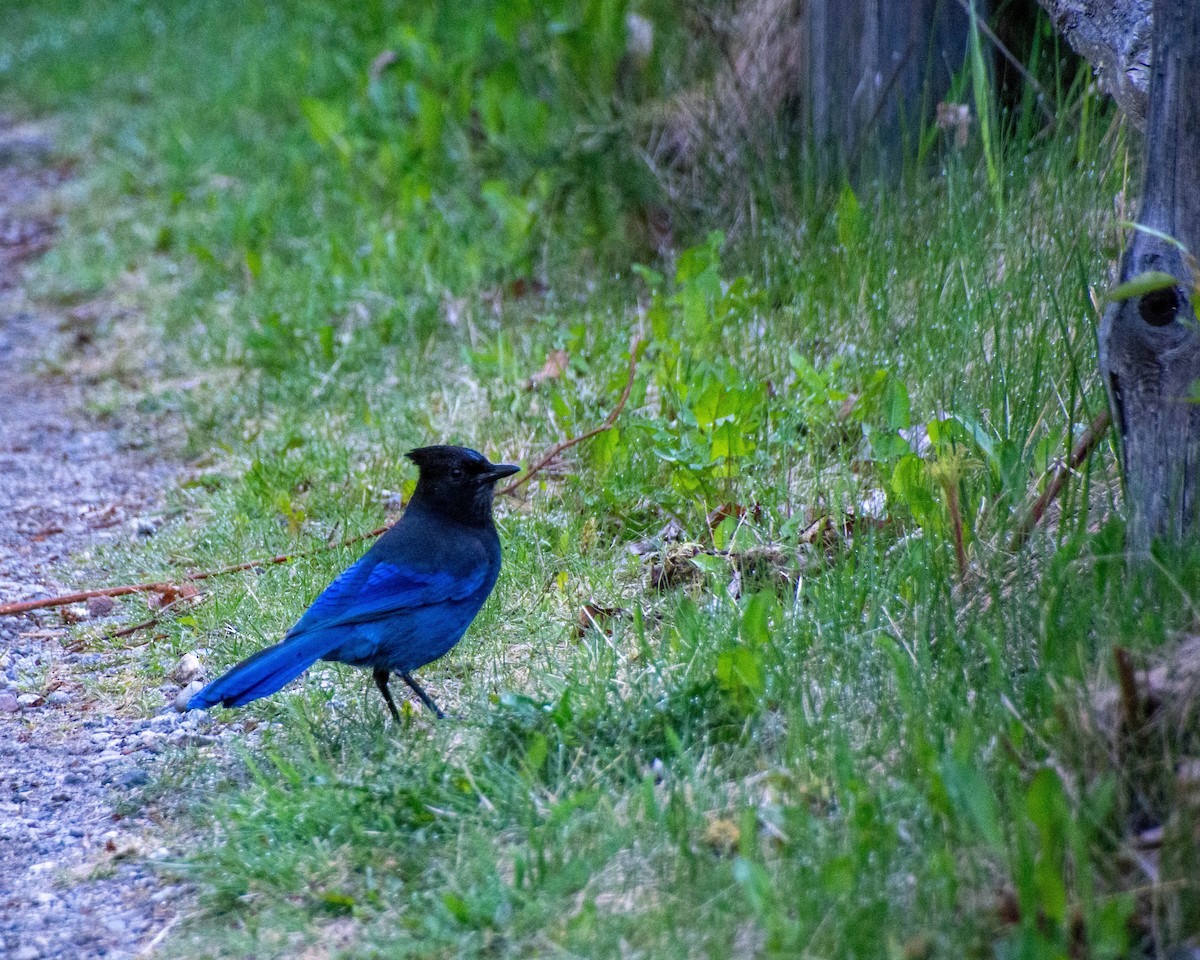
{"x":875,"y":72}
{"x":1149,"y":344}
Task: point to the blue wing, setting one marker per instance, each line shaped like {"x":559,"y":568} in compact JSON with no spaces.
{"x":376,"y":589}
{"x":405,"y":603}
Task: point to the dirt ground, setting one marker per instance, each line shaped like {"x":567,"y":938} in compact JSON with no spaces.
{"x":78,"y":876}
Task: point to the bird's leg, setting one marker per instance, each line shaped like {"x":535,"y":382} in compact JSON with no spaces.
{"x":425,"y":698}
{"x":381,"y":681}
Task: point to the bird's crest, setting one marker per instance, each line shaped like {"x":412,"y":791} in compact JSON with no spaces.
{"x":445,"y":456}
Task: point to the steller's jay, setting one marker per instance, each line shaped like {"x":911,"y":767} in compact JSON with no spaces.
{"x":407,"y":601}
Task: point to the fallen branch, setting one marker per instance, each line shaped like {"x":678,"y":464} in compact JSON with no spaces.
{"x":1083,"y":449}
{"x":26,"y":606}
{"x":10,"y":609}
{"x":609,"y":422}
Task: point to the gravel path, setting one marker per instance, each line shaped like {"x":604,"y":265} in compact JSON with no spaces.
{"x":77,"y":878}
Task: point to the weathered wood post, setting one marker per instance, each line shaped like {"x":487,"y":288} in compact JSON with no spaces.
{"x":1150,"y":344}
{"x":875,"y":72}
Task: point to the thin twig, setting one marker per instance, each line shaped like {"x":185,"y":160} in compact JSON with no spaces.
{"x":10,"y":609}
{"x":1083,"y":449}
{"x":956,"y":525}
{"x":1043,"y":97}
{"x":609,"y":422}
{"x":1131,"y":700}
{"x":25,"y":606}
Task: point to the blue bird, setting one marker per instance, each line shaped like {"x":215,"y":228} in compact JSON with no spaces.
{"x":407,"y":601}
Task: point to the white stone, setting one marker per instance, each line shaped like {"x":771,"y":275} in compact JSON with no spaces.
{"x":187,"y":669}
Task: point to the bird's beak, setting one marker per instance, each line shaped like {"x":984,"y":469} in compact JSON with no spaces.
{"x":501,"y":470}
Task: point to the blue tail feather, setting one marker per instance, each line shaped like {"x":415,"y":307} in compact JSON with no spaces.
{"x":265,"y":672}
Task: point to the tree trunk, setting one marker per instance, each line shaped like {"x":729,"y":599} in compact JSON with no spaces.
{"x":1149,"y":344}
{"x":1114,"y":37}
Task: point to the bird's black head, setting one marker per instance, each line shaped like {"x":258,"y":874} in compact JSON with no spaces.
{"x":457,"y":482}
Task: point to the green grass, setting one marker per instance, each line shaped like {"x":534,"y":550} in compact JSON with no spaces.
{"x":843,"y":749}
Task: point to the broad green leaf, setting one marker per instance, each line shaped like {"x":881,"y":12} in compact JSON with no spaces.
{"x":887,"y":445}
{"x":973,"y":432}
{"x":739,"y":672}
{"x":1142,"y":284}
{"x":895,"y":404}
{"x":537,"y":752}
{"x":851,"y":224}
{"x":327,"y":124}
{"x":710,"y":564}
{"x":729,"y":440}
{"x":325,"y":338}
{"x":254,"y":263}
{"x":910,"y":482}
{"x":457,"y":907}
{"x":697,"y":261}
{"x":1046,"y":803}
{"x":1052,"y":888}
{"x":604,"y":447}
{"x":972,"y":796}
{"x":337,"y":902}
{"x":705,"y":406}
{"x":760,"y":610}
{"x":755,"y":882}
{"x":723,"y":533}
{"x":563,"y":414}
{"x":651,"y":278}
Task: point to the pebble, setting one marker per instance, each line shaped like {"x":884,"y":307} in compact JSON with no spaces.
{"x":136,"y":777}
{"x":187,"y":669}
{"x":186,"y":694}
{"x":100,"y":606}
{"x":58,"y":697}
{"x":186,"y":738}
{"x":28,"y":700}
{"x":165,"y":720}
{"x":8,"y":703}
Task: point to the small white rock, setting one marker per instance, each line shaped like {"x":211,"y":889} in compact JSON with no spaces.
{"x":186,"y":694}
{"x":187,"y":669}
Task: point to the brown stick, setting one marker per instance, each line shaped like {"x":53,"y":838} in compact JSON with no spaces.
{"x":609,"y":422}
{"x":956,"y":525}
{"x":11,"y":609}
{"x":25,"y":606}
{"x":1083,"y":449}
{"x":1131,"y":701}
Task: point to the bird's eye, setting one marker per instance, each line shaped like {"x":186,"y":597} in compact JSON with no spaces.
{"x":456,"y":473}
